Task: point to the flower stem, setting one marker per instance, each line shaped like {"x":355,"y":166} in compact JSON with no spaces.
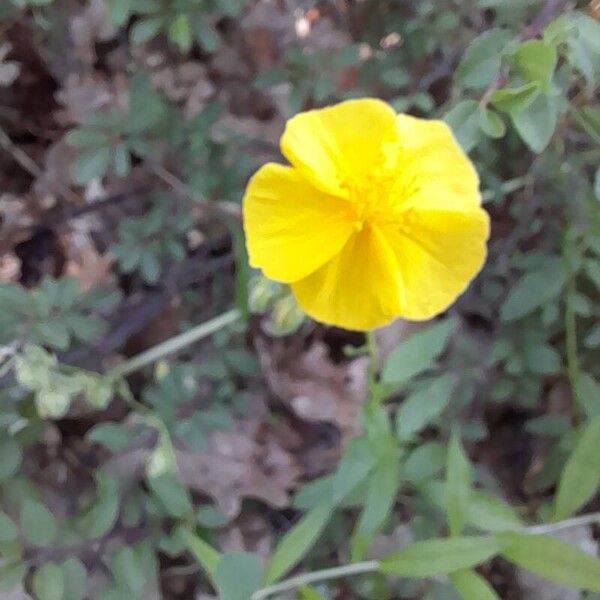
{"x":175,"y":344}
{"x":571,"y":346}
{"x":325,"y":574}
{"x":372,"y":368}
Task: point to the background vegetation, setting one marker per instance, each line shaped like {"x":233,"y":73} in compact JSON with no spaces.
{"x":138,"y":464}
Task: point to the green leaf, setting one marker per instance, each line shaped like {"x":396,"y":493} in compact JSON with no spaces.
{"x":491,"y":123}
{"x":553,"y":559}
{"x":588,"y":118}
{"x":481,"y":61}
{"x":581,"y":476}
{"x":48,"y":583}
{"x":358,"y":461}
{"x":75,"y":579}
{"x":308,"y":593}
{"x":542,"y":359}
{"x":8,"y":529}
{"x":83,"y":137}
{"x":472,"y":586}
{"x":536,"y":122}
{"x":206,"y":35}
{"x":536,"y":60}
{"x":533,"y":290}
{"x":423,"y":406}
{"x":584,"y":47}
{"x":145,"y":29}
{"x":38,"y":524}
{"x":128,"y":571}
{"x":121,"y":160}
{"x":441,"y":556}
{"x":118,"y":10}
{"x":11,"y":575}
{"x":588,"y":394}
{"x":424,"y":462}
{"x":205,"y":554}
{"x":418,"y":353}
{"x":381,"y":495}
{"x":172,"y":495}
{"x":113,"y":436}
{"x":297,"y":542}
{"x":458,"y":486}
{"x":489,"y":513}
{"x":512,"y":100}
{"x":101,"y":515}
{"x":180,"y":32}
{"x":11,"y":456}
{"x":54,"y":333}
{"x":238,"y":576}
{"x":464,"y":122}
{"x":91,"y":165}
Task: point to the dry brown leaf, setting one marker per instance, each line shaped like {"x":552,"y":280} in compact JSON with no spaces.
{"x":316,"y":389}
{"x":249,"y":462}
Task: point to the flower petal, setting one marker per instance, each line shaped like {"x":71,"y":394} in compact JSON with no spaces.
{"x":438,"y":254}
{"x":348,"y":141}
{"x":432,"y":168}
{"x":358,"y":289}
{"x":291,"y":227}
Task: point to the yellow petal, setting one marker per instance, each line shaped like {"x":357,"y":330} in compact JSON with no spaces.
{"x":433,"y":171}
{"x":438,"y":254}
{"x":345,"y":142}
{"x":358,"y":289}
{"x":291,"y":227}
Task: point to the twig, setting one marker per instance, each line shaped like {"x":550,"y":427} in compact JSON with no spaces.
{"x":222,"y":206}
{"x":592,"y":519}
{"x":175,"y":344}
{"x":325,"y":574}
{"x":28,"y":164}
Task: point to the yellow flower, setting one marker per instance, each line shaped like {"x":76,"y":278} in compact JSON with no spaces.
{"x":378,"y":217}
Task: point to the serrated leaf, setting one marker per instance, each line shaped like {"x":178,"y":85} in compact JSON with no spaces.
{"x":553,"y":559}
{"x":533,"y":290}
{"x":472,"y":586}
{"x":441,"y":556}
{"x":581,"y":476}
{"x":238,"y":576}
{"x":481,"y":61}
{"x":38,"y":524}
{"x":424,"y":405}
{"x":297,"y":542}
{"x":418,"y":353}
{"x":458,"y":486}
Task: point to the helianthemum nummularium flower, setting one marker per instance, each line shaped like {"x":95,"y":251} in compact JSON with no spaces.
{"x":378,"y":217}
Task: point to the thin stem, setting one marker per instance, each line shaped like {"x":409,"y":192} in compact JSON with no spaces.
{"x":373,"y":389}
{"x":592,"y":519}
{"x":571,"y":345}
{"x":325,"y":574}
{"x":175,"y":344}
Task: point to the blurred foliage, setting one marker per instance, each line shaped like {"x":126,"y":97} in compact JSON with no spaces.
{"x":518,"y":84}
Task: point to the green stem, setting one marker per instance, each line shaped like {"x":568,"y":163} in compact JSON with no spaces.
{"x":591,"y":519}
{"x":308,"y":578}
{"x":571,"y":345}
{"x":175,"y":344}
{"x":372,"y":368}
